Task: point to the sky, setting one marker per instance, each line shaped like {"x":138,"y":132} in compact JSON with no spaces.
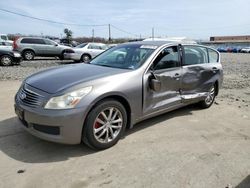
{"x":197,"y":19}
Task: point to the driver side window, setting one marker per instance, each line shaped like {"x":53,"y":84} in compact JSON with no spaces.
{"x":168,"y":58}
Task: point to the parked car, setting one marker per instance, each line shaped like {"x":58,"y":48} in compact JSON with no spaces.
{"x":30,"y":47}
{"x":8,"y":57}
{"x":86,"y":51}
{"x":5,"y":45}
{"x":4,"y":37}
{"x":236,"y":49}
{"x":96,"y":102}
{"x":245,"y":50}
{"x":222,"y":49}
{"x":229,"y":49}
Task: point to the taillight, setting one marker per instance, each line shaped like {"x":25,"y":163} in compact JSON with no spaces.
{"x":15,"y":44}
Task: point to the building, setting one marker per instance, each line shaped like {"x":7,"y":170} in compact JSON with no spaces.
{"x":219,"y":39}
{"x":228,"y":41}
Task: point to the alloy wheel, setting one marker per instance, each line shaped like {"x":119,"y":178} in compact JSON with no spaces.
{"x":6,"y":61}
{"x":29,"y":55}
{"x":108,"y":125}
{"x":210,"y":97}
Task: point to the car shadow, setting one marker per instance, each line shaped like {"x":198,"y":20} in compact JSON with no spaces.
{"x":245,"y":183}
{"x":185,"y":111}
{"x":21,"y":146}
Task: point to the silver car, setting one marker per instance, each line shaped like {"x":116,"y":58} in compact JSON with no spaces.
{"x":86,"y":51}
{"x":30,"y":47}
{"x":96,"y":102}
{"x":5,"y":45}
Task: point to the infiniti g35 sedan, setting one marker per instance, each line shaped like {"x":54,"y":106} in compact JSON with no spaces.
{"x":96,"y":102}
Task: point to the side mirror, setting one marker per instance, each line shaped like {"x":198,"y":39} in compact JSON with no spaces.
{"x":155,"y":84}
{"x":56,"y":44}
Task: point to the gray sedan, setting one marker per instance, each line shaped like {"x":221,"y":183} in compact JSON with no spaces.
{"x":96,"y":102}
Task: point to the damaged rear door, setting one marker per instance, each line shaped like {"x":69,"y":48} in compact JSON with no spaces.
{"x":198,"y":75}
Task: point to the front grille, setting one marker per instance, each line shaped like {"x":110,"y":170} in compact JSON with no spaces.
{"x":30,"y":98}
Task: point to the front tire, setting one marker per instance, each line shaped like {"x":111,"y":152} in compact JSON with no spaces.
{"x":209,"y":100}
{"x":105,"y":124}
{"x":6,"y":60}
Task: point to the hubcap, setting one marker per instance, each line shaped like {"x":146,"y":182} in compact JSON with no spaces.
{"x":6,"y":61}
{"x":28,"y":55}
{"x":85,"y":58}
{"x":108,"y":125}
{"x":210,"y":96}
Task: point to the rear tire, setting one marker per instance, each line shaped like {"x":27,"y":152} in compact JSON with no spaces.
{"x":209,"y":100}
{"x":6,"y":60}
{"x":28,"y":55}
{"x":104,"y":124}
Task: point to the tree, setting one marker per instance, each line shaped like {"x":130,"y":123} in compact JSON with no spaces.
{"x":68,"y":33}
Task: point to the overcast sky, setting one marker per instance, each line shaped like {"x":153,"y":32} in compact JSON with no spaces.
{"x":197,"y":19}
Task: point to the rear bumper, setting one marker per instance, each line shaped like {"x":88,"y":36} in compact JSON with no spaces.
{"x":61,"y":126}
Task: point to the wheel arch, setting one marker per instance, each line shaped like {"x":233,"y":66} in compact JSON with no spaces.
{"x":28,"y":49}
{"x":87,"y":55}
{"x":117,"y":97}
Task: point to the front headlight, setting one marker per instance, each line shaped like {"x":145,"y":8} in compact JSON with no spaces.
{"x":16,"y":54}
{"x":68,"y":100}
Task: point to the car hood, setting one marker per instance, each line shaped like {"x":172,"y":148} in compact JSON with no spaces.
{"x":57,"y":79}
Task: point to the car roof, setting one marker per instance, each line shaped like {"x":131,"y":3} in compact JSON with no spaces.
{"x":32,"y":38}
{"x":158,"y":43}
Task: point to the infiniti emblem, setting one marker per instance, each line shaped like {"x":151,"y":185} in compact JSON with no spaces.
{"x":22,"y":96}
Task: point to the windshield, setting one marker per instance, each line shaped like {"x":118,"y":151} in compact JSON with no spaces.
{"x":4,"y":37}
{"x":81,"y":45}
{"x":130,"y":56}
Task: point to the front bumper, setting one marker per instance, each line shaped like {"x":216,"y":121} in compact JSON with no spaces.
{"x":72,"y":56}
{"x":61,"y":126}
{"x":17,"y":60}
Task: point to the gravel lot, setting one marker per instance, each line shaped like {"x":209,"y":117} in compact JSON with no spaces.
{"x":186,"y":148}
{"x":236,"y":69}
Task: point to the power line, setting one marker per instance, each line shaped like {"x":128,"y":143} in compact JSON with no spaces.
{"x":70,"y":24}
{"x":52,"y":21}
{"x":124,"y":31}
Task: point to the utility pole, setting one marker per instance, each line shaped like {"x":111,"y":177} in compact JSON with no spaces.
{"x":153,"y":33}
{"x":109,"y":33}
{"x":93,"y":35}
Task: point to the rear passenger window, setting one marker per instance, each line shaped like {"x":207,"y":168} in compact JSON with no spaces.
{"x":195,"y":55}
{"x":213,"y":56}
{"x":32,"y":41}
{"x":93,"y":46}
